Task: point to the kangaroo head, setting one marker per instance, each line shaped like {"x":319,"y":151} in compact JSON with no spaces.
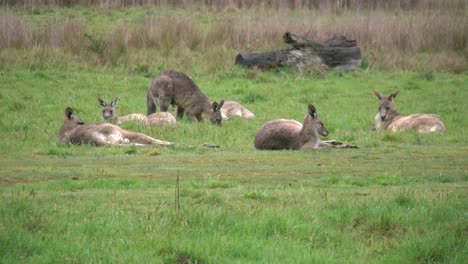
{"x":216,"y":117}
{"x":70,"y":122}
{"x":386,"y":104}
{"x":108,"y":110}
{"x":314,"y":122}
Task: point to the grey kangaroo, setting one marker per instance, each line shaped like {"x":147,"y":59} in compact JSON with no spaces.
{"x":109,"y":115}
{"x":177,"y":89}
{"x":75,"y":131}
{"x":290,"y":134}
{"x":388,"y":118}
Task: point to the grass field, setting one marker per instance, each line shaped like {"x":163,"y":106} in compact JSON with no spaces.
{"x":398,"y":198}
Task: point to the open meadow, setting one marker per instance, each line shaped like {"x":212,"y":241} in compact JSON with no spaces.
{"x":398,"y":198}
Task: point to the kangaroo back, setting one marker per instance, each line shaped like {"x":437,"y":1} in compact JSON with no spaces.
{"x":233,"y":109}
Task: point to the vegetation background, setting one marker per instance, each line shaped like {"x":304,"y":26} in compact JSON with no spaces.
{"x":398,"y":198}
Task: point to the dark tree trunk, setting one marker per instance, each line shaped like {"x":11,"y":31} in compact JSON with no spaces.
{"x":336,"y":53}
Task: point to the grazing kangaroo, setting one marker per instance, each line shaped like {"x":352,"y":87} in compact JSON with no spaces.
{"x":75,"y":131}
{"x":110,"y":115}
{"x":389,"y":119}
{"x":290,"y":134}
{"x":176,"y":88}
{"x":233,"y":108}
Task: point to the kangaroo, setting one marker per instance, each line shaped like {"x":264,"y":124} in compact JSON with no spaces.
{"x":75,"y":131}
{"x":108,"y":111}
{"x":233,"y":108}
{"x":110,"y":115}
{"x":389,"y":119}
{"x":177,"y":89}
{"x":290,"y":134}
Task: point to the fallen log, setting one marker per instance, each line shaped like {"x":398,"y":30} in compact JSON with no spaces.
{"x":336,"y":53}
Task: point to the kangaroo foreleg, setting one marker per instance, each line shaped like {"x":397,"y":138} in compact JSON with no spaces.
{"x":150,"y":103}
{"x":180,"y":112}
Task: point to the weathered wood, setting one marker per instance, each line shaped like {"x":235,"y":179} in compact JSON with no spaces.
{"x":336,"y":53}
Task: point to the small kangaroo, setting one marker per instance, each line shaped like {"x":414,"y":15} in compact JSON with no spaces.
{"x":233,"y":109}
{"x":177,"y":89}
{"x":389,"y":119}
{"x":110,"y":115}
{"x":75,"y":131}
{"x":108,"y":111}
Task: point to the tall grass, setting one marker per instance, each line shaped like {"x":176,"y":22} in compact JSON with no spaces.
{"x":270,"y":4}
{"x":389,"y":40}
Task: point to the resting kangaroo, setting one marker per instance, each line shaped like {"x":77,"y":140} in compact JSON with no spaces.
{"x":75,"y":131}
{"x":110,"y":115}
{"x":389,"y":119}
{"x":233,"y":108}
{"x":108,"y":111}
{"x":290,"y":134}
{"x":176,"y":88}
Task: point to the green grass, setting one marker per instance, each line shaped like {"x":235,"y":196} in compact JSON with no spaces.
{"x":398,"y":198}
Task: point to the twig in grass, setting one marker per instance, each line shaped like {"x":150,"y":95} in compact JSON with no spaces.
{"x":177,"y":192}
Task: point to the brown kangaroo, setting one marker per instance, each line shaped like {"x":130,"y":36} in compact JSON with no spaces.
{"x":389,"y":119}
{"x":233,"y":109}
{"x":176,"y":88}
{"x":110,"y":115}
{"x":75,"y":131}
{"x":290,"y":134}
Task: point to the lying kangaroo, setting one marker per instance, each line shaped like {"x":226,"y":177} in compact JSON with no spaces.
{"x":233,"y":108}
{"x":290,"y":134}
{"x":110,"y":115}
{"x":389,"y":119}
{"x":75,"y":131}
{"x":176,"y":88}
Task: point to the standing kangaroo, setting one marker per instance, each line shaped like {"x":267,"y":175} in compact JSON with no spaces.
{"x":389,"y":119}
{"x":176,"y":88}
{"x":109,"y":115}
{"x":75,"y":131}
{"x":233,"y":108}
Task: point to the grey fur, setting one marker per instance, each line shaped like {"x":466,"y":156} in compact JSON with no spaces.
{"x":388,"y":118}
{"x":234,"y":109}
{"x":108,"y":113}
{"x":290,"y":134}
{"x":75,"y":131}
{"x":177,"y":89}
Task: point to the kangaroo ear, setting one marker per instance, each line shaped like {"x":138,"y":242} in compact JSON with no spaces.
{"x":114,"y":102}
{"x":68,"y":112}
{"x":312,"y":111}
{"x":101,"y":102}
{"x":393,"y":95}
{"x":214,"y":105}
{"x":220,"y":105}
{"x":378,"y":94}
